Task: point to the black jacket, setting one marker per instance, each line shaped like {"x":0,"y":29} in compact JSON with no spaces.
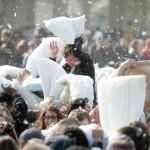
{"x":20,"y":114}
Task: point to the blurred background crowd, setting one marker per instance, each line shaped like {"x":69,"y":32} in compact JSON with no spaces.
{"x":116,"y":30}
{"x":113,"y":31}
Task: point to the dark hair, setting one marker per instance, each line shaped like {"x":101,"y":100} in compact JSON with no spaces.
{"x":137,"y":136}
{"x":31,"y":133}
{"x":75,"y":48}
{"x":7,"y":143}
{"x":78,"y":136}
{"x":6,"y":96}
{"x":79,"y":102}
{"x":61,"y":142}
{"x":78,"y":43}
{"x":145,"y":132}
{"x":76,"y":147}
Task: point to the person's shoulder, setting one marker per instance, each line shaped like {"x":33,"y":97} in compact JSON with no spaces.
{"x":87,"y":57}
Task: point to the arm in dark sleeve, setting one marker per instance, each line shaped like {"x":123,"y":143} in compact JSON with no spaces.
{"x":21,"y":107}
{"x":88,"y":67}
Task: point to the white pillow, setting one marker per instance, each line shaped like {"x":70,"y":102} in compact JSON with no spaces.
{"x":68,"y":29}
{"x":50,"y":72}
{"x":80,"y":86}
{"x":9,"y":70}
{"x":32,"y":84}
{"x":121,"y":101}
{"x":44,"y":51}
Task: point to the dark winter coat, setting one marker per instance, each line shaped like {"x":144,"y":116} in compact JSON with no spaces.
{"x":20,"y":113}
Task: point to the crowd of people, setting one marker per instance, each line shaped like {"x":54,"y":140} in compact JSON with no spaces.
{"x":74,"y":120}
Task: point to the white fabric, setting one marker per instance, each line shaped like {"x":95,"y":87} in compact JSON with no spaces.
{"x":50,"y":72}
{"x":87,"y":129}
{"x":66,"y":28}
{"x":43,"y":51}
{"x":103,"y":73}
{"x":32,"y":84}
{"x":32,"y":103}
{"x":79,"y":86}
{"x":4,"y":83}
{"x":12,"y":71}
{"x":121,"y":101}
{"x":28,"y":97}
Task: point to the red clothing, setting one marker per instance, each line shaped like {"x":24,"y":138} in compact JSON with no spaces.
{"x":94,"y":115}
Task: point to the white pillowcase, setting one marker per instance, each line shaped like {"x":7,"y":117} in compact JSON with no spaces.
{"x":9,"y":70}
{"x":121,"y":101}
{"x":43,"y":51}
{"x":68,"y":29}
{"x":50,"y":72}
{"x":80,"y":86}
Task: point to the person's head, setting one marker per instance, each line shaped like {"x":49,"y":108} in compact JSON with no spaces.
{"x":61,"y":142}
{"x":81,"y":115}
{"x":22,"y":46}
{"x":6,"y":35}
{"x":121,"y":142}
{"x":145,"y":130}
{"x":48,"y":117}
{"x":7,"y":143}
{"x":29,"y":134}
{"x":136,"y":45}
{"x":5,"y":120}
{"x":137,"y":135}
{"x":39,"y":32}
{"x":78,"y":136}
{"x":37,"y":146}
{"x":80,"y":102}
{"x":70,"y":56}
{"x":61,"y":126}
{"x":72,"y":52}
{"x":7,"y":99}
{"x":64,"y":111}
{"x":76,"y":147}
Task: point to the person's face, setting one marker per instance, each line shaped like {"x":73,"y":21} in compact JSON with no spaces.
{"x":5,"y":38}
{"x":3,"y":123}
{"x":87,"y":107}
{"x":99,"y":42}
{"x":50,"y":118}
{"x":139,"y":47}
{"x":71,"y":60}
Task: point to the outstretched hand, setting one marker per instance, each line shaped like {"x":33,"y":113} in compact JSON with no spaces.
{"x":54,"y":49}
